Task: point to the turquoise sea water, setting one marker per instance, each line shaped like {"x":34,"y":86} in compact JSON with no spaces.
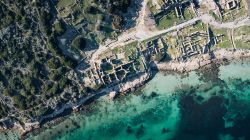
{"x":211,"y":105}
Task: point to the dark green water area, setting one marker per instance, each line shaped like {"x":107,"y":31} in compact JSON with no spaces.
{"x":209,"y":104}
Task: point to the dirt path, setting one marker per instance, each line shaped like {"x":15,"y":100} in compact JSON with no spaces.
{"x":142,"y":31}
{"x":126,"y":37}
{"x":230,"y":25}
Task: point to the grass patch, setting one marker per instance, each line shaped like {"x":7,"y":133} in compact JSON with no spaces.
{"x":173,"y":52}
{"x":226,"y":41}
{"x":244,"y":34}
{"x":216,"y":17}
{"x":225,"y":44}
{"x":152,"y":7}
{"x":139,"y":64}
{"x":242,"y":44}
{"x":167,"y":21}
{"x":188,"y":14}
{"x":130,"y":49}
{"x":231,"y":15}
{"x":245,"y":30}
{"x":65,"y":3}
{"x":115,"y":50}
{"x":220,"y":31}
{"x":199,"y":25}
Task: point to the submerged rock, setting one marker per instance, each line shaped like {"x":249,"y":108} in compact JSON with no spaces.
{"x":153,"y":94}
{"x":129,"y":130}
{"x":140,"y":132}
{"x":165,"y":130}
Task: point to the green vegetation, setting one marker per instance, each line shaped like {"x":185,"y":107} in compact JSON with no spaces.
{"x":242,"y":37}
{"x":79,"y":43}
{"x":36,"y":65}
{"x":231,"y":15}
{"x":199,"y":25}
{"x":167,"y":21}
{"x":65,"y":3}
{"x":224,"y":39}
{"x":115,"y":50}
{"x":130,"y":49}
{"x":188,"y":14}
{"x":59,"y":28}
{"x":170,"y":18}
{"x":121,"y":74}
{"x":33,"y":67}
{"x":225,"y":44}
{"x":242,"y":44}
{"x":7,"y":16}
{"x":3,"y":110}
{"x":139,"y":64}
{"x":216,"y":17}
{"x":158,"y":57}
{"x":97,"y":19}
{"x":117,"y":22}
{"x":152,"y":7}
{"x":107,"y":67}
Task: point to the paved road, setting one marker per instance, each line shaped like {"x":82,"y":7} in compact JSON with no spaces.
{"x":140,"y":35}
{"x":230,"y":25}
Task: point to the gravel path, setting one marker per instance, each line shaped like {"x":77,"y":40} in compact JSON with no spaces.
{"x":141,"y":32}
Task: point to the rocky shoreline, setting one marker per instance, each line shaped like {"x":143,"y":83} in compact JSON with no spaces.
{"x":201,"y":60}
{"x":129,"y":85}
{"x":139,"y":80}
{"x":153,"y":92}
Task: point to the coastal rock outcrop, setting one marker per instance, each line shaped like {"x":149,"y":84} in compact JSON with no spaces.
{"x":201,"y":60}
{"x":184,"y":66}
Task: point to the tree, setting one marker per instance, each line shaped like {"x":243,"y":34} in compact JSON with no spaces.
{"x":19,"y":102}
{"x":117,"y":22}
{"x":79,"y":43}
{"x":3,"y":110}
{"x":59,"y":28}
{"x":54,"y":63}
{"x":92,"y":10}
{"x":107,"y":67}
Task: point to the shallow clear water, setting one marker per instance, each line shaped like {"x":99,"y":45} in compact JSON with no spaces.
{"x":199,"y":106}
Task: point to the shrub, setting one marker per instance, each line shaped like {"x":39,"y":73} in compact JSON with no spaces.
{"x":117,"y":22}
{"x":79,"y":43}
{"x":59,"y":28}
